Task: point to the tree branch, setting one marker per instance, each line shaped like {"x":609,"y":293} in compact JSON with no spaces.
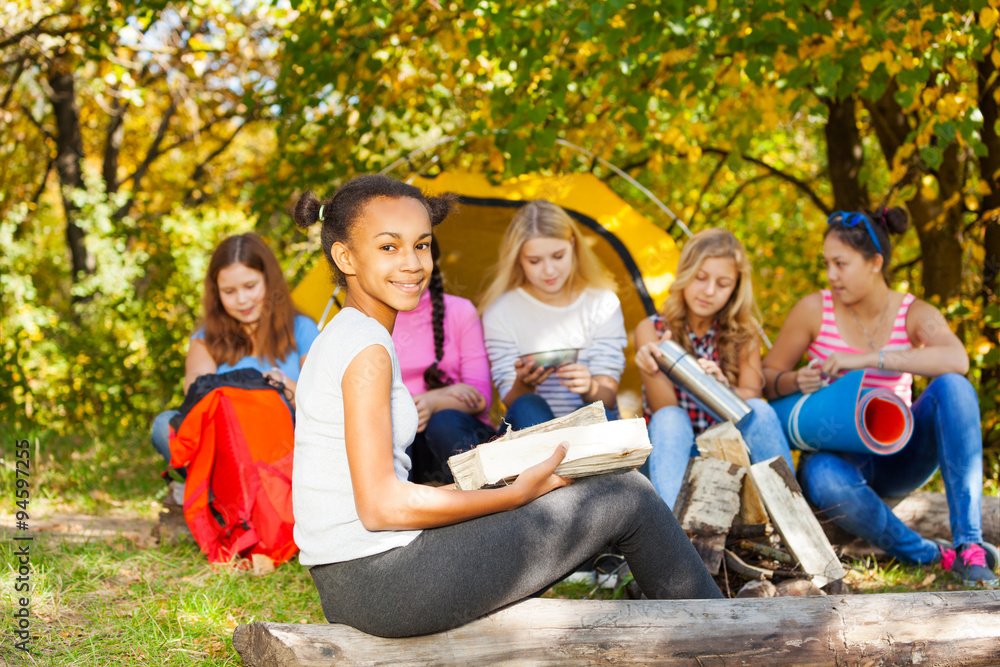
{"x":736,"y":193}
{"x":705,"y":188}
{"x":45,"y":179}
{"x":785,"y":176}
{"x":151,"y":155}
{"x":13,"y":82}
{"x":113,"y":143}
{"x":37,"y":29}
{"x":199,"y":171}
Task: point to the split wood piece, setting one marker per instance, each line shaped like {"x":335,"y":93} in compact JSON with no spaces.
{"x":593,"y":413}
{"x":747,"y":532}
{"x":593,"y":449}
{"x":706,"y":505}
{"x":887,"y":629}
{"x":765,"y":551}
{"x":792,"y":516}
{"x":724,"y":441}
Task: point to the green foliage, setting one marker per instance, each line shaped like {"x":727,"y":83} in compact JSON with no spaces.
{"x":104,"y":354}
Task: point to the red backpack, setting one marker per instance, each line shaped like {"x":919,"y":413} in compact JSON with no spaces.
{"x":234,"y":434}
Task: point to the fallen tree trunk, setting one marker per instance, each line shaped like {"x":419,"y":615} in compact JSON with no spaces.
{"x":927,"y":513}
{"x":897,"y":629}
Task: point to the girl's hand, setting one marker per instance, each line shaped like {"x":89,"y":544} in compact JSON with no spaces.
{"x":276,"y":378}
{"x":539,"y":479}
{"x":425,"y":410}
{"x":809,"y":378}
{"x":713,"y":369}
{"x":467,"y":394}
{"x":839,"y":363}
{"x":646,"y":355}
{"x":575,"y":377}
{"x":531,"y":376}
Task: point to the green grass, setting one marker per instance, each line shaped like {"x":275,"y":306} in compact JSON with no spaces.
{"x":112,"y":602}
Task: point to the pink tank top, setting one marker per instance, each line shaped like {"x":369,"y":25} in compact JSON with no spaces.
{"x":829,"y":341}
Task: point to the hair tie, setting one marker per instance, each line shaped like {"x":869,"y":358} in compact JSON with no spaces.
{"x":321,"y":212}
{"x":845,"y":219}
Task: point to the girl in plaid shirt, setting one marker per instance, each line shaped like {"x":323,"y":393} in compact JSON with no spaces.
{"x":710,"y":312}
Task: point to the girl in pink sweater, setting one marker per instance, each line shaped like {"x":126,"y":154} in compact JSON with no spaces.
{"x":443,"y":362}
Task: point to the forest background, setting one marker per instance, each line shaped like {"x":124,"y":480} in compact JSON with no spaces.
{"x":135,"y":136}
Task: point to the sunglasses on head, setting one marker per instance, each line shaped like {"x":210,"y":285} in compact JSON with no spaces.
{"x":853,"y":220}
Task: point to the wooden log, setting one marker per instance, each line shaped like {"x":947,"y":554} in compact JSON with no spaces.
{"x":589,"y":414}
{"x":593,"y":449}
{"x":706,"y":505}
{"x":888,"y":629}
{"x":799,"y":528}
{"x":724,"y":441}
{"x":927,"y":513}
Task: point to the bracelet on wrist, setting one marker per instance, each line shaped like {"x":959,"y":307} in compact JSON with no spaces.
{"x":777,"y":378}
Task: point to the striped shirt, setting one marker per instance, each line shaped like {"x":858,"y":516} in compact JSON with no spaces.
{"x":830,"y":341}
{"x":518,"y":323}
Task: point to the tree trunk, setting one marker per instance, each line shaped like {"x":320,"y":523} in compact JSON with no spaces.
{"x":68,"y":156}
{"x":989,"y":172}
{"x":938,"y":227}
{"x":845,"y":155}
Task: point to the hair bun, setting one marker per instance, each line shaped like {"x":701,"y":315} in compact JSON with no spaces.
{"x":896,"y":219}
{"x":307,"y":210}
{"x":439,"y":207}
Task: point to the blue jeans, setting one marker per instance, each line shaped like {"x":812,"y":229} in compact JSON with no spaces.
{"x":161,"y":433}
{"x":448,"y":432}
{"x":672,"y":437}
{"x":531,"y":410}
{"x":946,"y":434}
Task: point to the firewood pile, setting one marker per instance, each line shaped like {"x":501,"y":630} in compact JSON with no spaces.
{"x":751,"y":524}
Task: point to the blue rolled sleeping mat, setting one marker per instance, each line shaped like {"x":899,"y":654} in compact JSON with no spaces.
{"x":845,"y":417}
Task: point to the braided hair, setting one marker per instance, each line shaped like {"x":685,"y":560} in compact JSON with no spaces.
{"x":348,"y":204}
{"x":434,"y":377}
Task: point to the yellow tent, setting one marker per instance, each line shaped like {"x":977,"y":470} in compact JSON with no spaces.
{"x":640,"y":255}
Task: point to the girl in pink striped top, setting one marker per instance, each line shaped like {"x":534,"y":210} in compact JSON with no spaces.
{"x":861,"y":323}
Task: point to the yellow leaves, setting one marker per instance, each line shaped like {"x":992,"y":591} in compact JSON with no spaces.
{"x":988,"y":17}
{"x":711,"y":5}
{"x":908,"y":61}
{"x":870,"y":61}
{"x":953,"y":105}
{"x":694,"y":154}
{"x":855,"y":11}
{"x":617,"y":22}
{"x":971,"y":202}
{"x":928,"y":187}
{"x":995,"y":57}
{"x":983,"y":188}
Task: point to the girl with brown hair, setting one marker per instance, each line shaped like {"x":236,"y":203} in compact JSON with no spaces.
{"x":248,"y":322}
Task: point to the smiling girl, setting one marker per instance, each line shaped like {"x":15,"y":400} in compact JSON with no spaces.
{"x":393,"y":558}
{"x":710,"y":312}
{"x":249,"y":322}
{"x":861,"y":323}
{"x":550,"y":293}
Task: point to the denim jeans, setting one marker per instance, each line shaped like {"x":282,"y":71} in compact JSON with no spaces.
{"x":946,"y":434}
{"x":161,"y":433}
{"x":448,"y":432}
{"x":531,"y":409}
{"x":672,"y":437}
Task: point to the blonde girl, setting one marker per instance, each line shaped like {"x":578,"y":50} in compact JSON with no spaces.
{"x":710,"y":312}
{"x":550,"y":292}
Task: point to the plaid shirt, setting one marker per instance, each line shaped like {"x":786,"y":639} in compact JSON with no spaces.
{"x":704,"y":348}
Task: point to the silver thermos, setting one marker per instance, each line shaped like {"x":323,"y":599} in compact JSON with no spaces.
{"x":711,"y":395}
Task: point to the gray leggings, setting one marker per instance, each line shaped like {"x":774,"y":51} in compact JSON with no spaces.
{"x":451,"y":575}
